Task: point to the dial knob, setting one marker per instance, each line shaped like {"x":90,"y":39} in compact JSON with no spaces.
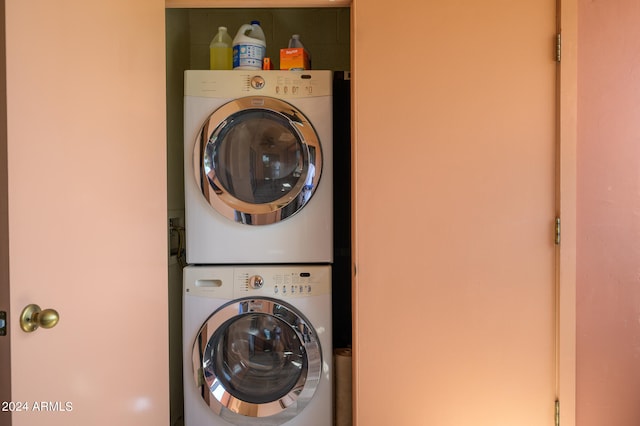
{"x":256,"y":281}
{"x":257,"y":82}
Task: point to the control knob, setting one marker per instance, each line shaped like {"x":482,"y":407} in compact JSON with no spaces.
{"x":257,"y":82}
{"x":256,"y":282}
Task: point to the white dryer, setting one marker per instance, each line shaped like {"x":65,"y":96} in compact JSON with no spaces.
{"x":257,"y":345}
{"x":258,"y":167}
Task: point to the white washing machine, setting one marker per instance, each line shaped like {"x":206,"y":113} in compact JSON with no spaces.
{"x":258,"y":167}
{"x":257,"y":345}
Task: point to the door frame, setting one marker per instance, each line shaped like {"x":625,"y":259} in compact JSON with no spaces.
{"x":566,"y":209}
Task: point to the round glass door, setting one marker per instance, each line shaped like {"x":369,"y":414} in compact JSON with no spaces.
{"x":258,"y":160}
{"x":256,"y":358}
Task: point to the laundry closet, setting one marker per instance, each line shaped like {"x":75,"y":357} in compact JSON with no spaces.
{"x":325,"y":33}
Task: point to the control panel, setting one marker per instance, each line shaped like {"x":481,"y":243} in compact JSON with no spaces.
{"x":279,"y":84}
{"x":282,"y":284}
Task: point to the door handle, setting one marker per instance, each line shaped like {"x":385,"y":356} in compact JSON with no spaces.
{"x":33,"y":317}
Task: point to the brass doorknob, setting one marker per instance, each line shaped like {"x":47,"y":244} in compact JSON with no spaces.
{"x":33,"y":317}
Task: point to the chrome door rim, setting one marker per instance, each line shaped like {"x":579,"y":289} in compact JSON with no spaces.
{"x":245,"y":212}
{"x":212,"y":389}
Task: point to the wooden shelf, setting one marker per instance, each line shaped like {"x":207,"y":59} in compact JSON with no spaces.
{"x":254,"y":3}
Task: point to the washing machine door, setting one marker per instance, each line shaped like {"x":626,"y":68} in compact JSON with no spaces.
{"x":257,"y":160}
{"x":257,"y":361}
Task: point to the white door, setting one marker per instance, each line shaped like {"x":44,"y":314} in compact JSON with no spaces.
{"x":454,"y":213}
{"x":86,"y":215}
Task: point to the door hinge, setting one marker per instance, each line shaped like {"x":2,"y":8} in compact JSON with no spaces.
{"x":557,"y":412}
{"x":557,"y":237}
{"x":558,"y":47}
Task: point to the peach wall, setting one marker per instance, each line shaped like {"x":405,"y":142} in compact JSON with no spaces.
{"x":86,"y":190}
{"x":608,"y":329}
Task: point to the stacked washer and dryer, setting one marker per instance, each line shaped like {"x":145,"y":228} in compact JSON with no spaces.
{"x":257,"y":332}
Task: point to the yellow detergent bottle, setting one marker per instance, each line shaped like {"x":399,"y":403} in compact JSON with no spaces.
{"x":220,"y":51}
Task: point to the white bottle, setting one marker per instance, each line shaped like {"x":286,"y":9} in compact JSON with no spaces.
{"x":294,"y":41}
{"x":220,"y":51}
{"x":248,"y":50}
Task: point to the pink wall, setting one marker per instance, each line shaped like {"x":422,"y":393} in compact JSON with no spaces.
{"x":608,"y":243}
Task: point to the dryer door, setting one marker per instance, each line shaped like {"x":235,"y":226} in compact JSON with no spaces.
{"x":256,"y":358}
{"x":257,"y":160}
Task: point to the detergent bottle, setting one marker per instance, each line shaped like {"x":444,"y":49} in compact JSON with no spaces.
{"x":220,"y":51}
{"x":295,"y":57}
{"x":248,"y":49}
